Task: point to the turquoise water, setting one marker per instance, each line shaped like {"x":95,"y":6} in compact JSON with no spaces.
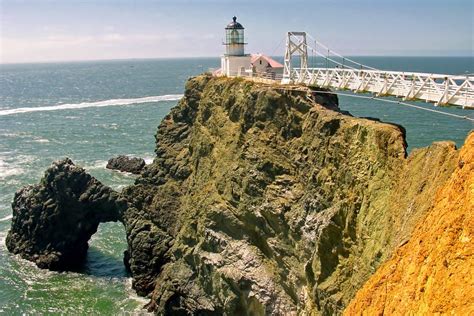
{"x":88,"y":125}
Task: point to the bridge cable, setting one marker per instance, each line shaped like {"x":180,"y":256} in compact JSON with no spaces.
{"x":278,"y":46}
{"x":327,"y":60}
{"x":339,"y":55}
{"x":327,"y":57}
{"x":361,"y":65}
{"x":397,"y":102}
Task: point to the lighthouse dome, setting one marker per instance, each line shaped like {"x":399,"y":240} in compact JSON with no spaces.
{"x":234,"y":24}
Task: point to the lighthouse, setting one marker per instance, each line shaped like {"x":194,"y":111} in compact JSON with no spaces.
{"x":234,"y":62}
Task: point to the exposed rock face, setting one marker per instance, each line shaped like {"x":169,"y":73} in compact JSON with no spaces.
{"x":259,"y":201}
{"x":126,"y":164}
{"x":53,"y":220}
{"x":262,"y":202}
{"x":433,"y":272}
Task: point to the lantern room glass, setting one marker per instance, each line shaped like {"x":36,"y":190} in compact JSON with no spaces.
{"x":234,"y":36}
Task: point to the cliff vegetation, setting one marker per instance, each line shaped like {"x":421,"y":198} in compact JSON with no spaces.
{"x":268,"y":200}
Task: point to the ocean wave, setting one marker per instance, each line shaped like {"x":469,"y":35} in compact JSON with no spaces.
{"x":113,"y":102}
{"x":8,"y":171}
{"x":12,"y":134}
{"x":132,"y":295}
{"x":14,"y":166}
{"x":3,"y":237}
{"x":98,"y":164}
{"x":24,"y":135}
{"x":6,"y":218}
{"x":148,"y":160}
{"x":41,"y":140}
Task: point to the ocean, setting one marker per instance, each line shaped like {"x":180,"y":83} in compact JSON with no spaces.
{"x":92,"y":111}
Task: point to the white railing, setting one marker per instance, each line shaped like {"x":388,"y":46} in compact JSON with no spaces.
{"x":437,"y":88}
{"x":259,"y":76}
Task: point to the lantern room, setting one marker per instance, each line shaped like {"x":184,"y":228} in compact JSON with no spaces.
{"x":234,"y":38}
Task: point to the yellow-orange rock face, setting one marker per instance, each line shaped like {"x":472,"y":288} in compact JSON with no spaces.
{"x":434,"y":271}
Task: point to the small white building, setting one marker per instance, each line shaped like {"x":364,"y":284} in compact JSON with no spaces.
{"x":235,"y":62}
{"x":263,"y":64}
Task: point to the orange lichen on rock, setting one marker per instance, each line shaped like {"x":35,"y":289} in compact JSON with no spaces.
{"x":434,"y":271}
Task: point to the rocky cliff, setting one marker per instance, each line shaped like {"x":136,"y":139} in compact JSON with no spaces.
{"x":263,"y":201}
{"x":433,"y":272}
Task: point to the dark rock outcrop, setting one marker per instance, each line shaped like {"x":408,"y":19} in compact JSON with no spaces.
{"x":53,"y":220}
{"x":126,"y":164}
{"x":325,"y":98}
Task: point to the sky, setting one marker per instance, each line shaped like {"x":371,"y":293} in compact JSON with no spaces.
{"x":67,"y":30}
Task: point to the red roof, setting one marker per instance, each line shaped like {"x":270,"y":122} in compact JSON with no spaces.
{"x":272,"y":62}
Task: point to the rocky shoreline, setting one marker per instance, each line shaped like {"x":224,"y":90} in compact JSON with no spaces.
{"x":260,"y":200}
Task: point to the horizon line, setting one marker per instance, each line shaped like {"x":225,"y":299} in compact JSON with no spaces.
{"x":202,"y":57}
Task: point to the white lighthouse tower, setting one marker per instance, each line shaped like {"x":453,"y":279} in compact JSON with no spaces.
{"x":234,"y":62}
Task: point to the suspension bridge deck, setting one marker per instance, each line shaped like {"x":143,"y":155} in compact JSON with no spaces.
{"x":437,"y":88}
{"x":347,"y":74}
{"x":350,"y":75}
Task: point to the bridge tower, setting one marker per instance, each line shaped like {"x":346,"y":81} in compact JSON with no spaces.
{"x":295,"y":45}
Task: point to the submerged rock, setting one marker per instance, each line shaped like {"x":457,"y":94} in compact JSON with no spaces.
{"x":53,"y":220}
{"x":126,"y":164}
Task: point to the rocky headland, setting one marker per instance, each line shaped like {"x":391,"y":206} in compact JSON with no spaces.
{"x":261,"y":200}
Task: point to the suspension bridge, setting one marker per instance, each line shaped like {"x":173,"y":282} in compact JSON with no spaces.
{"x":347,"y":74}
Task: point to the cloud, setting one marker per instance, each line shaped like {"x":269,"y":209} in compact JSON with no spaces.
{"x":107,"y":45}
{"x":112,"y":37}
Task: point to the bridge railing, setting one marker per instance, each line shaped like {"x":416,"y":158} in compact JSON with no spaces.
{"x":437,"y":88}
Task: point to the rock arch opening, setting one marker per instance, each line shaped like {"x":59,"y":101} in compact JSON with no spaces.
{"x":106,"y":250}
{"x":54,"y":220}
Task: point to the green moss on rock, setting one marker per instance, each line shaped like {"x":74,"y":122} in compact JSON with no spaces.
{"x":261,"y":201}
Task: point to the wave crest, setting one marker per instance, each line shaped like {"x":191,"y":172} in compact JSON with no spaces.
{"x":6,"y":218}
{"x":112,"y":102}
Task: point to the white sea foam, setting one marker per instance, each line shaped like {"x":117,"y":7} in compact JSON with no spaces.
{"x":148,"y":160}
{"x":132,"y":295}
{"x":41,"y":140}
{"x":98,"y":164}
{"x":6,"y":170}
{"x":13,"y":166}
{"x":11,"y":135}
{"x":113,"y":102}
{"x":3,"y":236}
{"x":6,"y":218}
{"x":5,"y":173}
